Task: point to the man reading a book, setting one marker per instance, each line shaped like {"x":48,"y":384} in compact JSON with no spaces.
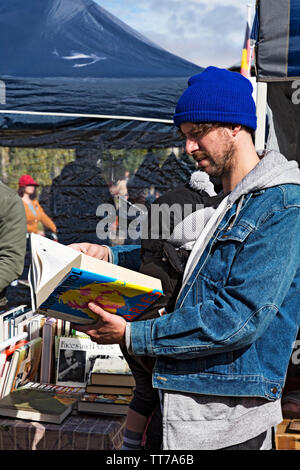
{"x":222,"y":354}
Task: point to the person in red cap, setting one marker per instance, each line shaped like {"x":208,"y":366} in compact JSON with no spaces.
{"x":35,"y":214}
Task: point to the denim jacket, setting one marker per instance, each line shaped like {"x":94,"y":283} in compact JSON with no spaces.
{"x":237,"y":316}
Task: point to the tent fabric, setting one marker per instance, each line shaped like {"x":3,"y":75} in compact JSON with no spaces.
{"x":74,"y":197}
{"x":276,"y":31}
{"x":277,"y":40}
{"x":74,"y":76}
{"x":72,"y":56}
{"x":150,"y":100}
{"x":173,"y":172}
{"x":78,"y":38}
{"x":285,"y":128}
{"x":92,"y":133}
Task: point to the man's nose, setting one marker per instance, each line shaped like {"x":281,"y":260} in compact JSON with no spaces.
{"x":191,"y":146}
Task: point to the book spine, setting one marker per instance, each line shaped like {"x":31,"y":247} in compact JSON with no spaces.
{"x":9,"y":342}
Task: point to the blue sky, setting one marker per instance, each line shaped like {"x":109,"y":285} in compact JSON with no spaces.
{"x":206,"y":33}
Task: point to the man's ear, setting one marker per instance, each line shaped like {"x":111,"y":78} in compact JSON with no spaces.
{"x":232,"y":130}
{"x":235,"y":129}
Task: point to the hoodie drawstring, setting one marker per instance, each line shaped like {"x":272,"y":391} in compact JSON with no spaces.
{"x":240,"y":203}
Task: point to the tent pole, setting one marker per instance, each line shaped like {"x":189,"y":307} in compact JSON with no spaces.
{"x":90,"y":116}
{"x":261,"y":111}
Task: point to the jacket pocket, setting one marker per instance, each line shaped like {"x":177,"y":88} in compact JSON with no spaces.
{"x":223,"y":250}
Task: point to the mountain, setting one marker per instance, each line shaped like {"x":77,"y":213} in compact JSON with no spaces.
{"x":78,"y":38}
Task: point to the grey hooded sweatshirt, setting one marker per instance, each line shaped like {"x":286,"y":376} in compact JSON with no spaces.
{"x":272,"y":170}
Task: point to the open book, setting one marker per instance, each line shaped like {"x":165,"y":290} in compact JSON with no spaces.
{"x":63,"y":281}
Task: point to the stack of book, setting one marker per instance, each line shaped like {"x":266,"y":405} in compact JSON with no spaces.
{"x":62,"y":283}
{"x":38,"y":344}
{"x":40,"y":402}
{"x":109,"y":389}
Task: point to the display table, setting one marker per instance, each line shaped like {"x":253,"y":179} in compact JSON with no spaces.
{"x":77,"y":432}
{"x":286,"y":440}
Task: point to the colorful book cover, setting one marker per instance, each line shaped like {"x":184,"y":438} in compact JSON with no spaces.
{"x":104,"y":404}
{"x":79,"y":287}
{"x":28,"y":362}
{"x":107,"y":398}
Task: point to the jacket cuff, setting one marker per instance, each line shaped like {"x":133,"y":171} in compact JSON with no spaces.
{"x":141,"y":338}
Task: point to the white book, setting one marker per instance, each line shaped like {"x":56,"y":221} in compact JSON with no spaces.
{"x":6,"y":319}
{"x":76,"y":357}
{"x":34,"y":326}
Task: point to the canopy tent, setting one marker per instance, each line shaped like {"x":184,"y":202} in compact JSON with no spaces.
{"x":73,"y":76}
{"x":276,"y":31}
{"x":71,"y":73}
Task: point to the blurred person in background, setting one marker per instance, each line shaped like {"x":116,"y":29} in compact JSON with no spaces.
{"x":35,"y":215}
{"x":36,"y":221}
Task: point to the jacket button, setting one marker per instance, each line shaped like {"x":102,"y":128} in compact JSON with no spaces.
{"x":274,"y":390}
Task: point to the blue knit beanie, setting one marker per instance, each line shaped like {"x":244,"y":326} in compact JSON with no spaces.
{"x":217,"y":95}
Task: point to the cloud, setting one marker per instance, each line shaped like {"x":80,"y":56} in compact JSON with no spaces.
{"x":204,"y":33}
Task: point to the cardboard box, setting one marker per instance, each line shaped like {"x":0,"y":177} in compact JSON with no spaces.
{"x":284,"y":438}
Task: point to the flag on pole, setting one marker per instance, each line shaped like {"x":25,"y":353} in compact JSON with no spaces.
{"x":246,"y":55}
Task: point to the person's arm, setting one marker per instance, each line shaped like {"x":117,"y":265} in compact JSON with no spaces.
{"x":260,"y":277}
{"x":127,"y":256}
{"x":65,"y":372}
{"x":45,"y":219}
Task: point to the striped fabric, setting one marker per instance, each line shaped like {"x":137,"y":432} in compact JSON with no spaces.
{"x":132,"y":440}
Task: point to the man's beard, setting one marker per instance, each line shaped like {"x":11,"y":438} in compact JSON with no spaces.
{"x":224,"y":164}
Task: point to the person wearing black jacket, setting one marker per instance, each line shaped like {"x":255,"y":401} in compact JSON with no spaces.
{"x":163,"y":257}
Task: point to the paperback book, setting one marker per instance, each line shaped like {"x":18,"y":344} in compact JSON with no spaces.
{"x":111,"y":379}
{"x":23,"y":366}
{"x":76,"y":357}
{"x":59,"y":389}
{"x":109,"y":390}
{"x":104,"y":404}
{"x":63,"y":281}
{"x":37,"y":405}
{"x":10,"y":318}
{"x":5,"y":360}
{"x":111,"y":372}
{"x":48,"y":358}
